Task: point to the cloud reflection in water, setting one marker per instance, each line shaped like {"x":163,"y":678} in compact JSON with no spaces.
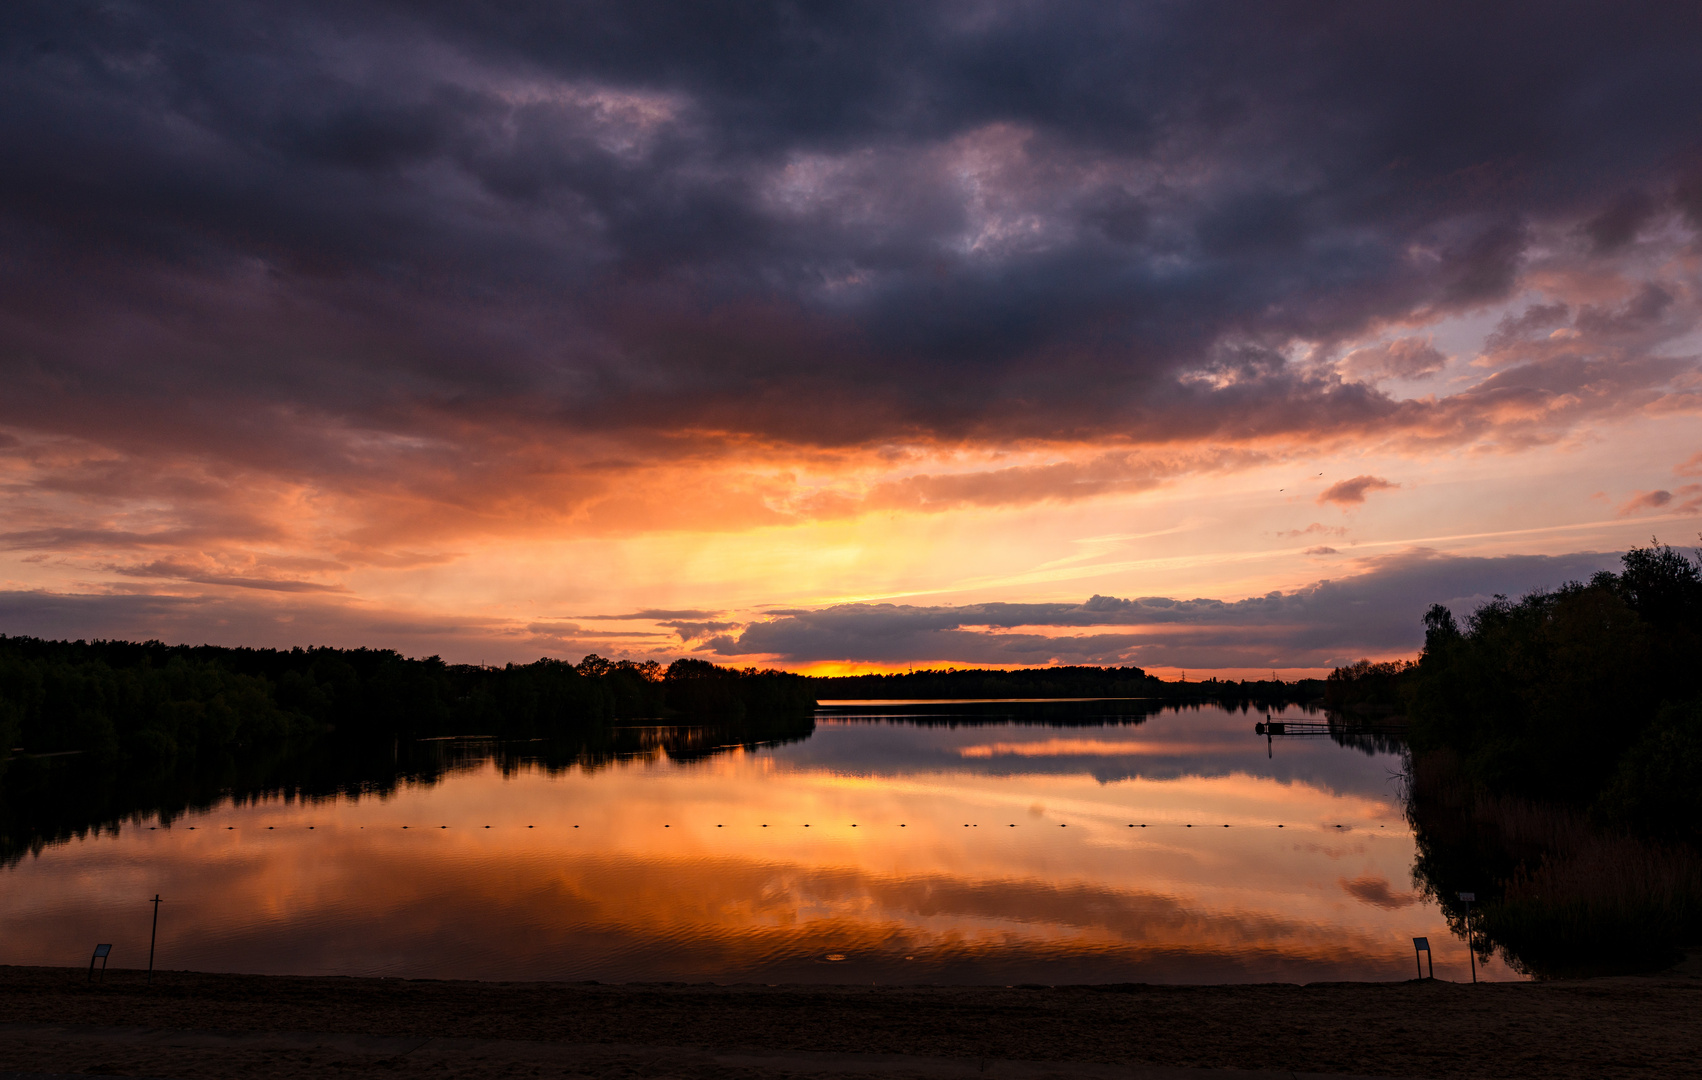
{"x":670,"y":873}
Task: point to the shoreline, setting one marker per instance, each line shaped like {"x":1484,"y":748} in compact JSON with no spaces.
{"x":190,"y":1024}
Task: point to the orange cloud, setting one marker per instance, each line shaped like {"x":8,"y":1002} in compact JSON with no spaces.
{"x":1315,"y":527}
{"x":1688,"y":498}
{"x":1352,"y":492}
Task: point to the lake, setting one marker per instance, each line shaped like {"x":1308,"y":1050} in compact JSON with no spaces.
{"x":929,"y":842}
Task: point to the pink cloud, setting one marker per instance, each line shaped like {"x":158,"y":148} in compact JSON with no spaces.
{"x":1692,"y":496}
{"x":1315,"y":527}
{"x":1352,"y":492}
{"x":1403,"y":358}
{"x":1645,"y":500}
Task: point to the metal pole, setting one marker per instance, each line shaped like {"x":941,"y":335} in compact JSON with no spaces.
{"x":1471,"y":950}
{"x":153,"y":937}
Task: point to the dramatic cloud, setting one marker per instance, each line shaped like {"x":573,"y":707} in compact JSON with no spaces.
{"x":304,"y":301}
{"x":447,"y":261}
{"x":1377,"y":611}
{"x":1352,"y":492}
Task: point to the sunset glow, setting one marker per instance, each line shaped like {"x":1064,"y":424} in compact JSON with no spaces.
{"x":506,"y":337}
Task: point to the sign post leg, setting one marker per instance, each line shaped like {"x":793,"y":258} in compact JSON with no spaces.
{"x":153,"y":937}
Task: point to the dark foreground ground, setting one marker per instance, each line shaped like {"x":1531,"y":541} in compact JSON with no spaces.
{"x":193,"y":1025}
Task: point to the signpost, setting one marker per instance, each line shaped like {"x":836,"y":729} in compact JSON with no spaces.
{"x":101,"y":953}
{"x":153,"y":937}
{"x":1466,"y":898}
{"x":1422,"y":945}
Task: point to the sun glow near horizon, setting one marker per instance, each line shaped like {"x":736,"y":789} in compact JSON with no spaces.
{"x":663,"y":367}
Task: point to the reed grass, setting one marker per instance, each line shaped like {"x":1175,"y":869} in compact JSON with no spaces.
{"x":1600,"y":902}
{"x":1559,"y":894}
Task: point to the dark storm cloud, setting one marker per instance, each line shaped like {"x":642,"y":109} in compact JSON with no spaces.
{"x":231,"y":228}
{"x":1330,"y":622}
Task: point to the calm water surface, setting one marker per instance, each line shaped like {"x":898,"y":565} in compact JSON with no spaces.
{"x":898,"y":843}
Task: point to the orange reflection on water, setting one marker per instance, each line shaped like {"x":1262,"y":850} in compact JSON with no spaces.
{"x":1077,"y":748}
{"x":862,"y":842}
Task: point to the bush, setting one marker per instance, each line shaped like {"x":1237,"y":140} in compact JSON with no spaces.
{"x":1657,"y":789}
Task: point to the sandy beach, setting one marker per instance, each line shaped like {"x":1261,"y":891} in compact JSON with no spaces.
{"x":190,"y":1025}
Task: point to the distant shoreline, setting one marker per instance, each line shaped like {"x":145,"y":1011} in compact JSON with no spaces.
{"x":840,"y":703}
{"x":276,"y":1027}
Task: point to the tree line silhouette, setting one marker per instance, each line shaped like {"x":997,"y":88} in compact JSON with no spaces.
{"x":1556,"y":763}
{"x":1060,"y":682}
{"x":1589,"y":695}
{"x":151,"y":703}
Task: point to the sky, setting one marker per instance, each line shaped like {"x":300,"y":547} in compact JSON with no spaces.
{"x":1211,"y":338}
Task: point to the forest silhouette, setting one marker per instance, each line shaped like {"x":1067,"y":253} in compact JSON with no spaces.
{"x":1555,"y":765}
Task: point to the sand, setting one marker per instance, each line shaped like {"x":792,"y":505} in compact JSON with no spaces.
{"x":190,"y":1025}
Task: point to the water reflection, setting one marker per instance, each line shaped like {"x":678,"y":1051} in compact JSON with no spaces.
{"x":1089,"y":842}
